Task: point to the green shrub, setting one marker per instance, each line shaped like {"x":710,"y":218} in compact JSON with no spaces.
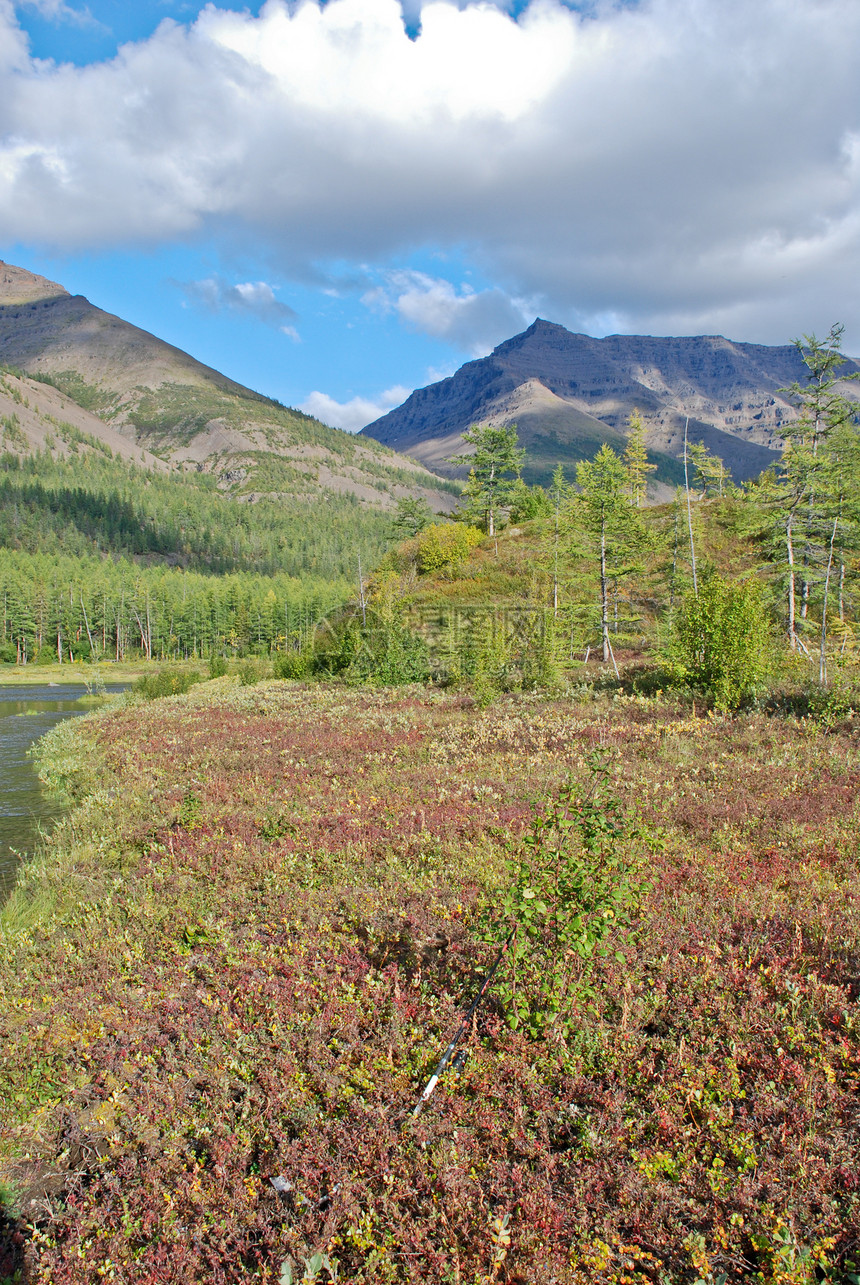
{"x":377,"y":649}
{"x":490,"y":662}
{"x":499,"y":656}
{"x":293,"y":664}
{"x":575,"y":879}
{"x":252,"y":670}
{"x":217,"y":666}
{"x":387,"y":654}
{"x":823,"y":705}
{"x":722,"y":640}
{"x":166,"y":682}
{"x":443,"y":548}
{"x":541,"y":667}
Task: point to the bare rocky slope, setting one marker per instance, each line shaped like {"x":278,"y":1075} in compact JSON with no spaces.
{"x":105,"y":377}
{"x":569,"y":393}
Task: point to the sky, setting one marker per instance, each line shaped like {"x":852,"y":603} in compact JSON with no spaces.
{"x":338,"y":203}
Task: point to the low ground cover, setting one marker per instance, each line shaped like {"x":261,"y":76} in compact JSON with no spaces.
{"x":246,"y":949}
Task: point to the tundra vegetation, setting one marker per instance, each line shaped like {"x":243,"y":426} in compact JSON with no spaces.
{"x":242,"y":954}
{"x":238,"y":960}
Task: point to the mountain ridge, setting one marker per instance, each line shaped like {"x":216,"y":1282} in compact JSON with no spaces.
{"x":569,"y":393}
{"x":165,"y":402}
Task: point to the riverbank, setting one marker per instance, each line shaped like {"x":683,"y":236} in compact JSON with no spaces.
{"x":27,"y":712}
{"x":245,"y":949}
{"x":90,"y":675}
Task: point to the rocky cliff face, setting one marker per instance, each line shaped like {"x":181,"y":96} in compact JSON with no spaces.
{"x":568,"y":393}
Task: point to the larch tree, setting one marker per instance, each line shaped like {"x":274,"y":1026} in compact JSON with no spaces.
{"x":604,"y":510}
{"x":709,"y":471}
{"x":806,"y":476}
{"x":411,"y":515}
{"x":636,"y":461}
{"x":496,"y":462}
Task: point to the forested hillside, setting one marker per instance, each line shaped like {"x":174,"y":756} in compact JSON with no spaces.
{"x":90,"y":503}
{"x":100,"y":558}
{"x":134,"y":479}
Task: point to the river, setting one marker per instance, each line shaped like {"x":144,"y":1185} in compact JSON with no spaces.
{"x":26,"y":713}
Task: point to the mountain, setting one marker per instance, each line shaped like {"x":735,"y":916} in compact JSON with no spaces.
{"x":103,"y":377}
{"x":569,"y":393}
{"x":35,"y":416}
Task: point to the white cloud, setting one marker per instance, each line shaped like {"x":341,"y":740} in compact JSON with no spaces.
{"x":473,"y":321}
{"x":354,"y":414}
{"x":256,"y":298}
{"x":675,"y":165}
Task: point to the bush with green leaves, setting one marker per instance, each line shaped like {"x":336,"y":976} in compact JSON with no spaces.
{"x":576,"y":878}
{"x":372,"y":647}
{"x":217,"y":666}
{"x":293,"y":664}
{"x":253,"y":669}
{"x":166,"y":682}
{"x":443,"y":548}
{"x":722,"y":640}
{"x":489,"y":661}
{"x":388,"y":654}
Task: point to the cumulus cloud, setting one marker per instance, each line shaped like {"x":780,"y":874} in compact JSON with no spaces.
{"x":354,"y":414}
{"x":255,"y":298}
{"x":473,"y":321}
{"x":675,"y":165}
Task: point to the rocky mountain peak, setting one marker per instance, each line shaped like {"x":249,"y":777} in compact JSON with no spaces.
{"x":568,"y":393}
{"x":18,"y":286}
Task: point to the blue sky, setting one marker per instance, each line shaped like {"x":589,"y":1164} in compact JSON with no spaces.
{"x":336,"y":205}
{"x":85,"y":33}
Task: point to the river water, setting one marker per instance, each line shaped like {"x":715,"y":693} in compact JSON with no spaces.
{"x":26,"y":713}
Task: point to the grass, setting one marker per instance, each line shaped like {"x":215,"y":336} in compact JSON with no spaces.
{"x":75,"y":672}
{"x":244,"y":950}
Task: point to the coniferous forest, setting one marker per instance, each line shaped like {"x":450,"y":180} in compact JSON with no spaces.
{"x":100,"y":558}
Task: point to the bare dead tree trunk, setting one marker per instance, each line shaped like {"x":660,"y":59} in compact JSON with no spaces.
{"x":604,"y":595}
{"x":491,"y":504}
{"x":690,"y":511}
{"x":93,"y":651}
{"x":789,"y":549}
{"x":822,"y":654}
{"x":145,"y":638}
